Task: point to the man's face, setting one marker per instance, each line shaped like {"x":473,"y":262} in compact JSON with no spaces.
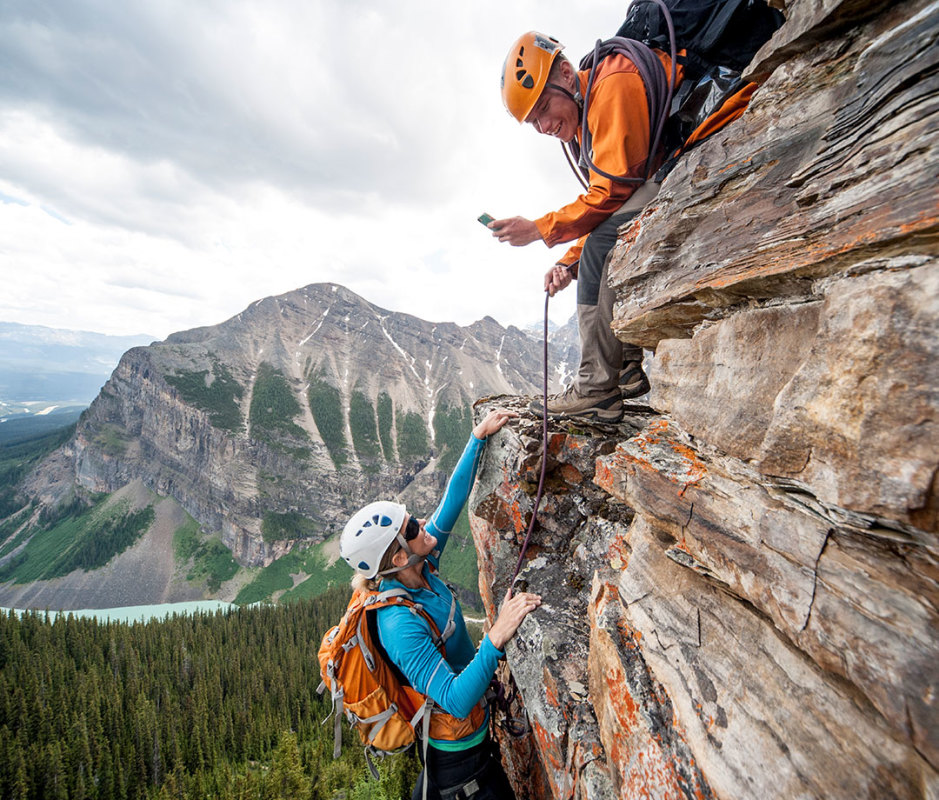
{"x":555,"y":114}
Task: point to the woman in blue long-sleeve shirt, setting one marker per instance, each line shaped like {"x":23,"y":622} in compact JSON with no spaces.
{"x":389,"y":549}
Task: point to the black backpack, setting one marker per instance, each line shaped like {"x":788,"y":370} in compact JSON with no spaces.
{"x":720,"y":38}
{"x":723,"y":33}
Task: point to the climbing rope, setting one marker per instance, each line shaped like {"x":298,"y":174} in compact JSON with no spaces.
{"x":504,"y":692}
{"x":544,"y":450}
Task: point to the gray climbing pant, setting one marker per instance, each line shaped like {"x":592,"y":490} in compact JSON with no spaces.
{"x":602,"y":355}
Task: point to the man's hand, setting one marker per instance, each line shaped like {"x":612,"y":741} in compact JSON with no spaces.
{"x":493,"y":422}
{"x":556,"y":279}
{"x":514,"y":610}
{"x":517,"y":231}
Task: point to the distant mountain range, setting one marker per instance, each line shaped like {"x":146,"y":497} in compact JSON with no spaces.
{"x":42,"y":366}
{"x":271,"y":428}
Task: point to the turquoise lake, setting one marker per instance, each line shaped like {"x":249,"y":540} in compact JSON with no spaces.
{"x":138,"y":613}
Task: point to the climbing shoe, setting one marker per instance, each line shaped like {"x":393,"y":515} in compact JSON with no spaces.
{"x":632,"y":380}
{"x":606,"y":407}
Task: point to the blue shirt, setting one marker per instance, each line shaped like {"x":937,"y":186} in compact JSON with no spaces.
{"x":458,"y":682}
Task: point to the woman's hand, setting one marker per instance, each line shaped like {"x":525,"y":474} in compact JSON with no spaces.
{"x":493,"y":422}
{"x":514,"y":610}
{"x":517,"y":231}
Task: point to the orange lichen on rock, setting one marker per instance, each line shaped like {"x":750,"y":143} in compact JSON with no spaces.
{"x":618,"y":550}
{"x":655,"y":449}
{"x":637,"y":723}
{"x":610,"y":474}
{"x":571,"y":475}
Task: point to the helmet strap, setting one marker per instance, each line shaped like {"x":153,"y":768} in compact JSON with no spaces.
{"x":413,"y":559}
{"x":576,"y":98}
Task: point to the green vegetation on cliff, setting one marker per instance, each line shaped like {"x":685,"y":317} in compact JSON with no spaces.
{"x":326,"y":407}
{"x":459,"y":566}
{"x":111,"y":439}
{"x":314,"y":575}
{"x":202,"y":707}
{"x":277,"y":527}
{"x":17,"y":458}
{"x":363,"y":426}
{"x":76,"y":536}
{"x":274,"y":409}
{"x":216,"y":393}
{"x":10,"y":526}
{"x":412,"y":436}
{"x":452,"y":427}
{"x":212,"y":562}
{"x":386,"y":425}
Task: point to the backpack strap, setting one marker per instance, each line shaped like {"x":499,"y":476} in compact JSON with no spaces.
{"x":659,"y":91}
{"x":336,"y":695}
{"x":380,"y":600}
{"x":450,"y":627}
{"x":378,"y":720}
{"x":423,"y":716}
{"x":402,"y":597}
{"x":439,"y":639}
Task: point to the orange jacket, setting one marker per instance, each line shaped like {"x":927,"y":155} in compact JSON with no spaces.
{"x":618,"y":118}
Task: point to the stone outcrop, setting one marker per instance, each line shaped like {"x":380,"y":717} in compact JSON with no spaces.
{"x":740,"y":578}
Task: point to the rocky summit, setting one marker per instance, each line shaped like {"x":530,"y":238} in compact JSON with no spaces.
{"x":740,"y":578}
{"x":290,"y":415}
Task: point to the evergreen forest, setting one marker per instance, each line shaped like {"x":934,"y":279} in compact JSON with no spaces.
{"x":191,"y":707}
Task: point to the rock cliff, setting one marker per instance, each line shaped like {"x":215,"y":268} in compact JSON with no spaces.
{"x":740,"y":578}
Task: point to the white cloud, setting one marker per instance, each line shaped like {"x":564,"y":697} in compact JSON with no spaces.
{"x":167,"y":163}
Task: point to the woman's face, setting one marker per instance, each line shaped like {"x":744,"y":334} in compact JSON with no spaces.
{"x":422,"y":544}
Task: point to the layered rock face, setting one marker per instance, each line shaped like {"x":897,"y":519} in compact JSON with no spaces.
{"x":297,"y":411}
{"x":740,"y":579}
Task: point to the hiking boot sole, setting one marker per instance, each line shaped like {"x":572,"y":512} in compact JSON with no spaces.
{"x":599,"y":415}
{"x":591,"y":415}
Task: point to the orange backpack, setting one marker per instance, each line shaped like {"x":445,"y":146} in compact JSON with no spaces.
{"x":370,"y":691}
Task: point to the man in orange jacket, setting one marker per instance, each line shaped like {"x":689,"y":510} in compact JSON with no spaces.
{"x":541,"y":87}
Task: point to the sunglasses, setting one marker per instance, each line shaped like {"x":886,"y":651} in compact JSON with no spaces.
{"x":411,"y":529}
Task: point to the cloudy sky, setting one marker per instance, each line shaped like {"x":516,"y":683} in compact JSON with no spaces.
{"x":164,"y":163}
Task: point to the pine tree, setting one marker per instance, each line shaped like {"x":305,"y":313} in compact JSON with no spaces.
{"x":287,"y":780}
{"x":19,"y":789}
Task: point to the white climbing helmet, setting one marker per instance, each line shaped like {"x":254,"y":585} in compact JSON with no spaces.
{"x":368,"y":534}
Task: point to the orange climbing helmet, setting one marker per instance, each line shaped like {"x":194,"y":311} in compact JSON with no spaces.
{"x":525,"y":72}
